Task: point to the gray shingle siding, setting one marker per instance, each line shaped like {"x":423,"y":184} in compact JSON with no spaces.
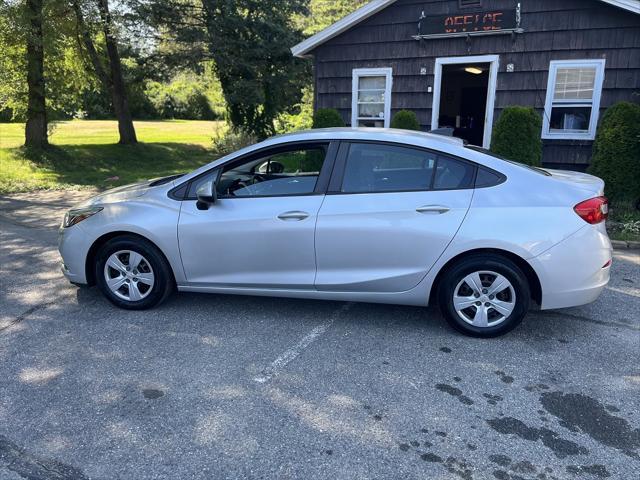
{"x":554,"y":30}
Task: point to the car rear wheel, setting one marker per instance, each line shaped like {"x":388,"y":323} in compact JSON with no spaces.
{"x":484,"y":295}
{"x":133,"y":274}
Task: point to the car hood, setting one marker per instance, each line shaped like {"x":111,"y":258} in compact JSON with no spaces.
{"x":127,"y":192}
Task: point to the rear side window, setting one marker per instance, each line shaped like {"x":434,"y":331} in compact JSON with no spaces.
{"x":487,"y":178}
{"x":374,"y":167}
{"x":453,"y":174}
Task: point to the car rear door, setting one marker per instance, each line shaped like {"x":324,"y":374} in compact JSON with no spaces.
{"x":260,"y":231}
{"x":390,"y":212}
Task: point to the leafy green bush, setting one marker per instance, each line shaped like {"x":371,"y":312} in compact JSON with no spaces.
{"x":327,"y":117}
{"x":228,"y":140}
{"x":300,"y":117}
{"x":187,"y":97}
{"x":616,"y":152}
{"x":516,"y":135}
{"x":405,"y":119}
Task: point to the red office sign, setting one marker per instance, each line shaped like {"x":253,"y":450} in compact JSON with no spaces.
{"x":472,"y":23}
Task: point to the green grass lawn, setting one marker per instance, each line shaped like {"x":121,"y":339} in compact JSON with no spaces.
{"x":84,"y":153}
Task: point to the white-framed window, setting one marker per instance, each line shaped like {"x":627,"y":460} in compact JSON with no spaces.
{"x":573,"y":99}
{"x":371,"y":97}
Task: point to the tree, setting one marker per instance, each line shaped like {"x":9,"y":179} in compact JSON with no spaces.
{"x":65,"y":76}
{"x":36,"y":126}
{"x":250,"y":41}
{"x":112,"y":79}
{"x":323,"y":13}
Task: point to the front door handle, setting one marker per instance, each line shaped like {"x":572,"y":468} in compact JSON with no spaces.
{"x":434,"y":209}
{"x":294,"y":215}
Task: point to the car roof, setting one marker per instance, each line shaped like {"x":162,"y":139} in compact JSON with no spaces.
{"x":450,"y":145}
{"x":378,"y":134}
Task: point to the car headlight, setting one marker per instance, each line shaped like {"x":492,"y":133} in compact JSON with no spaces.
{"x":79,"y":214}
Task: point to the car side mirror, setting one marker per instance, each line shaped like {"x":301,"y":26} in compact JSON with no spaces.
{"x":207,"y":195}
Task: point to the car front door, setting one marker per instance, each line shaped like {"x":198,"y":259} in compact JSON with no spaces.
{"x":260,"y":231}
{"x":390,"y":212}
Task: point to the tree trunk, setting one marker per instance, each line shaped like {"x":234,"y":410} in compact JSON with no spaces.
{"x":84,"y":36}
{"x":118,"y":89}
{"x":36,"y":127}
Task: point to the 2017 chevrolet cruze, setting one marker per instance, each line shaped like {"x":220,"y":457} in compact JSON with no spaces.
{"x":365,"y":215}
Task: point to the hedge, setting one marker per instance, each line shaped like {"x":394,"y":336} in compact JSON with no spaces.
{"x":517,"y":135}
{"x":406,"y":120}
{"x":616,"y":152}
{"x":327,"y":117}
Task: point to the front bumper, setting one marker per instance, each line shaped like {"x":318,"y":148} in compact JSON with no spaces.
{"x":575,"y":271}
{"x":73,"y":245}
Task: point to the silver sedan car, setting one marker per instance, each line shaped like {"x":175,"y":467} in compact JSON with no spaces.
{"x":367,"y":215}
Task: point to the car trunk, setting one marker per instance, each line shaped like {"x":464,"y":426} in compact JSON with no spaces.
{"x":592,"y":186}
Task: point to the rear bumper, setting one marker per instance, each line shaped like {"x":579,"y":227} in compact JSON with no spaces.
{"x":575,"y":271}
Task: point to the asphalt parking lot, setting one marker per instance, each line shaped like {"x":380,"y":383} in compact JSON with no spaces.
{"x":216,"y":387}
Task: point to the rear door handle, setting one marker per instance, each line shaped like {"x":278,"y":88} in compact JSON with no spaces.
{"x":294,"y":215}
{"x":434,"y":209}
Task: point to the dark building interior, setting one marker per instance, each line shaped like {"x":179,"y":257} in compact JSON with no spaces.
{"x":463,"y":100}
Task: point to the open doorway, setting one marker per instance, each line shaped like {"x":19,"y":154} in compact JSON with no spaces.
{"x":464,"y":96}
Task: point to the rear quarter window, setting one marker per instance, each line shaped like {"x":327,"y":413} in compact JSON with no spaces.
{"x":488,"y":178}
{"x":452,"y":174}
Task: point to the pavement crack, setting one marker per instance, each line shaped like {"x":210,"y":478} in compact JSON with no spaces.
{"x":35,"y":467}
{"x":26,"y":314}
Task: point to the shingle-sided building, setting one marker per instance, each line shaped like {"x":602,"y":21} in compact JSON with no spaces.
{"x":459,"y":63}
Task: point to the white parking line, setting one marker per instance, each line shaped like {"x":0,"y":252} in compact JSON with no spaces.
{"x":283,"y":360}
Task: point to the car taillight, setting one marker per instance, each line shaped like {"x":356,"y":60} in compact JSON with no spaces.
{"x":594,"y":210}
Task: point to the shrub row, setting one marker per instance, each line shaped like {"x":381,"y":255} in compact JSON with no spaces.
{"x":330,"y":117}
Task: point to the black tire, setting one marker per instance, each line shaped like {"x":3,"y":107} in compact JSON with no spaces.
{"x":484,"y":263}
{"x":163,"y":284}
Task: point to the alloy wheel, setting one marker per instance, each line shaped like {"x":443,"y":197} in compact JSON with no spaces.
{"x":484,"y":299}
{"x":129,"y":275}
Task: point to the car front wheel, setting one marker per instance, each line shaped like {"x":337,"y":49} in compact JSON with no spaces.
{"x":484,"y":295}
{"x":132,"y":273}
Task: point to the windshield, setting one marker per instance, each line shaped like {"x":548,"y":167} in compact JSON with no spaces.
{"x":500,"y":157}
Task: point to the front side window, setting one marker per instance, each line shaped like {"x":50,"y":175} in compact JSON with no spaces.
{"x":292,"y":171}
{"x":573,"y":99}
{"x":371,"y":103}
{"x":371,"y":168}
